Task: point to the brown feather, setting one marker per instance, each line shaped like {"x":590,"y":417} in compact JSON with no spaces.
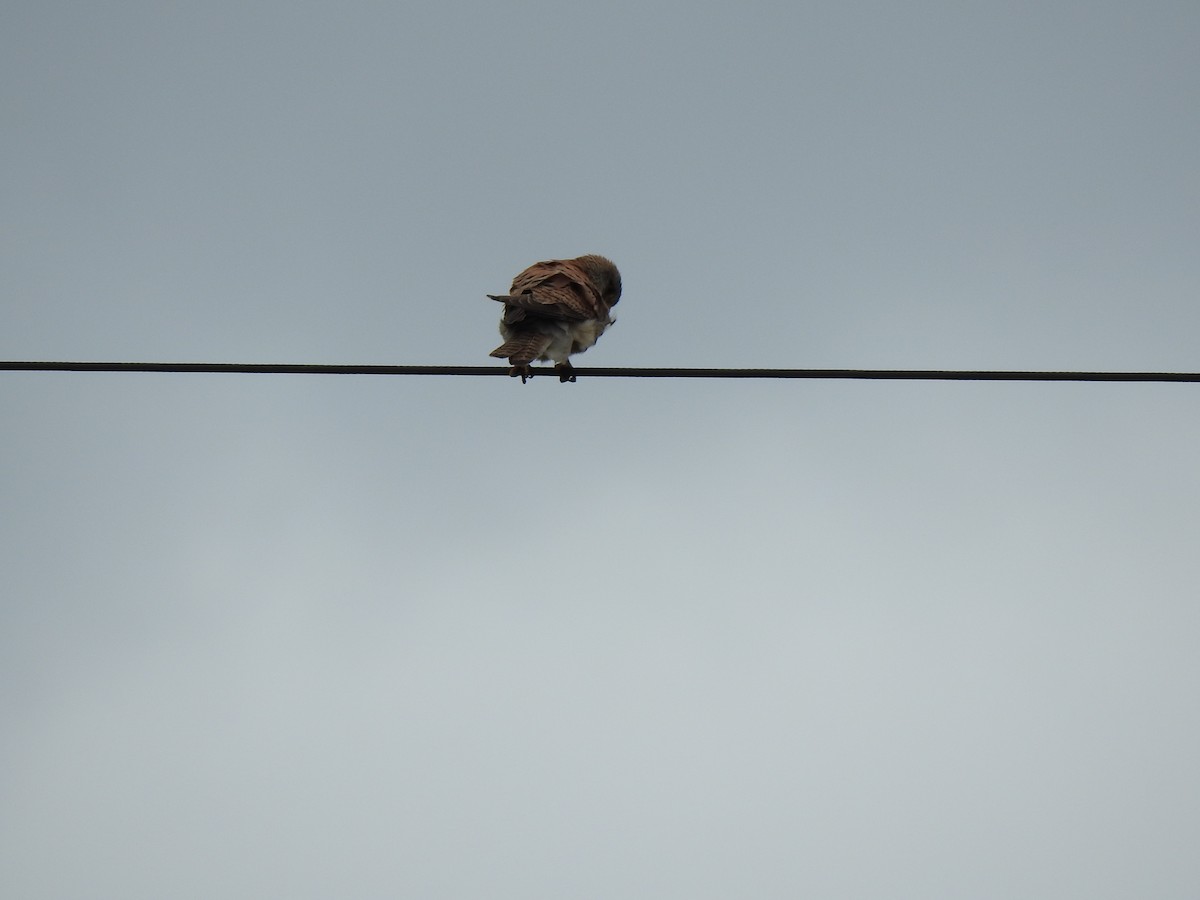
{"x":522,"y":349}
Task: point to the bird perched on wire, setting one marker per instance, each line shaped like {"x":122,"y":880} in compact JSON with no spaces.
{"x":555,"y":309}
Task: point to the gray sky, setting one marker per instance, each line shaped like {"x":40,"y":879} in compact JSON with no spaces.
{"x":309,"y":637}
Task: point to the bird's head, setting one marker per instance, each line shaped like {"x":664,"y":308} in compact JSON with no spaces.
{"x":604,"y":276}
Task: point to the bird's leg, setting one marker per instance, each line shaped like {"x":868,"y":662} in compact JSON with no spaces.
{"x":566,"y":372}
{"x":523,"y":370}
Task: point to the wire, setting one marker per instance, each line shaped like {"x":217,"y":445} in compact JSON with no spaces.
{"x":873,"y":374}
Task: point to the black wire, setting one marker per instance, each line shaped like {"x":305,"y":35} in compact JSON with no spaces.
{"x":873,"y":374}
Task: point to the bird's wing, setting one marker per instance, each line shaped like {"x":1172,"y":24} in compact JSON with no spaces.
{"x":557,"y":289}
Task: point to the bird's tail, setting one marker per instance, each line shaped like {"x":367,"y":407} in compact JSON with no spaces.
{"x":522,"y":349}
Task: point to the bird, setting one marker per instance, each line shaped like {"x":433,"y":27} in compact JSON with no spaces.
{"x":554,"y":309}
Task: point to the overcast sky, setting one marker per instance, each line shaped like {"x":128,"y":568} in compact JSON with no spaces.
{"x":379,"y":637}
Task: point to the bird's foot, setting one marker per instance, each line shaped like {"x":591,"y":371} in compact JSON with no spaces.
{"x":566,"y":372}
{"x":523,"y":370}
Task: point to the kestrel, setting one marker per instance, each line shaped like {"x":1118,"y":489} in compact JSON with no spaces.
{"x":554,"y":309}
